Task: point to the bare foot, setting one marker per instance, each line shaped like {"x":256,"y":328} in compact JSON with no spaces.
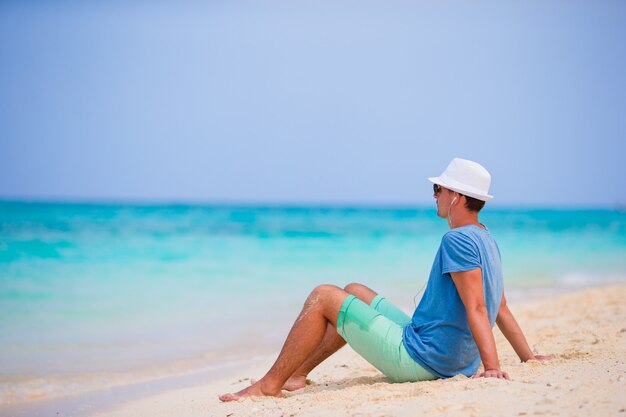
{"x":254,"y":390}
{"x":293,"y":384}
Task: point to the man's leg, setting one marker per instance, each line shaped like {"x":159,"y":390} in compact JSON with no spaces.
{"x":361,"y":292}
{"x":307,"y":334}
{"x":330,"y":344}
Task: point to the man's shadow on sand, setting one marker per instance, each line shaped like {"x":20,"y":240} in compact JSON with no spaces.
{"x":338,"y":385}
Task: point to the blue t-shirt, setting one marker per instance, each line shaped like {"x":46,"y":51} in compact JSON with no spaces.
{"x":439,"y":337}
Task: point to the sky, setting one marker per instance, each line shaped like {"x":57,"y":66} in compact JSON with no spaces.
{"x":321,"y":102}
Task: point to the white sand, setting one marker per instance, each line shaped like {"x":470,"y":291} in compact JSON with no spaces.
{"x":586,"y":332}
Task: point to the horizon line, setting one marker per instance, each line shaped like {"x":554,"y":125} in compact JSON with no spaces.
{"x":198,"y":202}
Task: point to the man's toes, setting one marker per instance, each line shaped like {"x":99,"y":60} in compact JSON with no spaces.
{"x":228,"y":397}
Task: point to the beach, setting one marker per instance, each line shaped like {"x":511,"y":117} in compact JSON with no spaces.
{"x":103,"y":304}
{"x":585,"y":331}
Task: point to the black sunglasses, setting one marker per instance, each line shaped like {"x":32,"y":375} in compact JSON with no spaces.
{"x":436,"y":188}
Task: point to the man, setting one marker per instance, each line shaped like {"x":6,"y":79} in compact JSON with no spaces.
{"x":450,"y":332}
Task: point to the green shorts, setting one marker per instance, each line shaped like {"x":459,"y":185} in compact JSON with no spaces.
{"x":375,"y":332}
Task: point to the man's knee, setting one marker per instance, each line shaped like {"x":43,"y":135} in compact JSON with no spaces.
{"x":322,"y":292}
{"x":361,"y":292}
{"x":326,"y":298}
{"x":354,"y":287}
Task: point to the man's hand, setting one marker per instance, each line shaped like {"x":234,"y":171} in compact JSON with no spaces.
{"x":492,"y":373}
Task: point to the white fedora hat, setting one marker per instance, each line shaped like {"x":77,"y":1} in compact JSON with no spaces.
{"x":466,"y":177}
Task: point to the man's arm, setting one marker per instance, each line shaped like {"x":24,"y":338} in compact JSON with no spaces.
{"x":513,"y":333}
{"x":469,"y":285}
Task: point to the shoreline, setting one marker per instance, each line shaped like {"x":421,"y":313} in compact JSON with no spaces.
{"x":87,"y":402}
{"x":355,"y":375}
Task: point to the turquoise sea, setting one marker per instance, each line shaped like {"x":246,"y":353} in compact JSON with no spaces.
{"x":97,"y":295}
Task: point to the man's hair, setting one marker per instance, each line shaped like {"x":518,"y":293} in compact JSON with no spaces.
{"x":473,"y":204}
